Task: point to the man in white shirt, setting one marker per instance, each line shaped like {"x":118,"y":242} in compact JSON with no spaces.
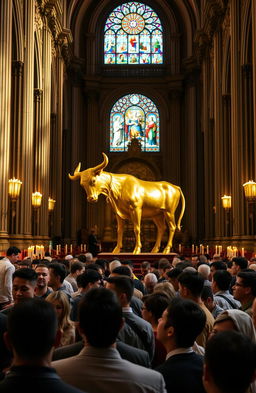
{"x":7,"y":269}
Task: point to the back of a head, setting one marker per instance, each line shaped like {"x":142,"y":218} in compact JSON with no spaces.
{"x":122,"y":271}
{"x":206,"y":293}
{"x":194,"y":281}
{"x":13,"y":250}
{"x":204,"y":269}
{"x":241,"y":262}
{"x":113,"y":265}
{"x":219,"y":265}
{"x":150,"y":277}
{"x":89,"y":276}
{"x":59,"y":269}
{"x":174,"y":273}
{"x":89,"y":257}
{"x":223,"y":279}
{"x":82,"y":258}
{"x":164,"y":263}
{"x":123,"y":284}
{"x":32,"y":327}
{"x":156,"y":303}
{"x":188,"y":320}
{"x":165,"y":287}
{"x":76,"y":266}
{"x":26,"y":274}
{"x":100,"y":317}
{"x":229,"y":354}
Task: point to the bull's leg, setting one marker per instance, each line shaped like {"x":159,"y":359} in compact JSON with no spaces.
{"x":120,"y":231}
{"x":170,"y":219}
{"x":160,"y":224}
{"x":136,"y":219}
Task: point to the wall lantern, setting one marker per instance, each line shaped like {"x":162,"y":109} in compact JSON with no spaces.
{"x":36,"y":199}
{"x":226,"y":202}
{"x":14,"y":188}
{"x":51,"y":204}
{"x":250,"y":191}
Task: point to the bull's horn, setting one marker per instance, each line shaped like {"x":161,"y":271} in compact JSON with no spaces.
{"x":77,"y":173}
{"x":102,"y":165}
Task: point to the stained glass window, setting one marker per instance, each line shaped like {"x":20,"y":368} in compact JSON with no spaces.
{"x":134,"y":116}
{"x":133,"y":35}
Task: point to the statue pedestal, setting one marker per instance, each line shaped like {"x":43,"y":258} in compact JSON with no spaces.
{"x":137,"y":259}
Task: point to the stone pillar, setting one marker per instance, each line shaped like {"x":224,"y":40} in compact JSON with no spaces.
{"x":56,"y":159}
{"x":5,"y":105}
{"x":236,"y":127}
{"x":173,"y":139}
{"x":254,"y":71}
{"x":92,"y":149}
{"x":44,"y":133}
{"x":189,"y":164}
{"x":27,"y":146}
{"x":220,"y":183}
{"x":226,"y":157}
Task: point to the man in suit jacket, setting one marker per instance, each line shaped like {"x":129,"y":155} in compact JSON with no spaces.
{"x":99,"y":367}
{"x":136,"y":331}
{"x":181,"y":323}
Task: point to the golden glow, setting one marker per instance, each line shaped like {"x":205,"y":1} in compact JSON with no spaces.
{"x":36,"y":199}
{"x":51,"y":204}
{"x":134,"y":199}
{"x":250,"y":190}
{"x":14,"y":188}
{"x":226,"y":201}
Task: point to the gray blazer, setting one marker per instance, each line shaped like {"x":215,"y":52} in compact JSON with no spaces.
{"x":103,"y":370}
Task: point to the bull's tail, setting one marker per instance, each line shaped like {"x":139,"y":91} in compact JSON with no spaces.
{"x":182,"y":209}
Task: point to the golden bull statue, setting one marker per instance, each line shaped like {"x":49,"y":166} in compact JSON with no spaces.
{"x":134,"y":199}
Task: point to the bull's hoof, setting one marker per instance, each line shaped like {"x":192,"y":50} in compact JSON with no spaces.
{"x":116,"y":250}
{"x":136,"y":250}
{"x":155,"y":250}
{"x":167,"y":250}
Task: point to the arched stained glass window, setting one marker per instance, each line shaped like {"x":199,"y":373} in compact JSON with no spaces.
{"x":134,"y":116}
{"x":133,"y":35}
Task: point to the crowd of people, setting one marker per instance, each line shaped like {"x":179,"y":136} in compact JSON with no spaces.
{"x":178,"y":325}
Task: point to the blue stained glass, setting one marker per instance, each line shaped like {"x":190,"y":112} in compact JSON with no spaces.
{"x":141,"y":31}
{"x":134,"y":116}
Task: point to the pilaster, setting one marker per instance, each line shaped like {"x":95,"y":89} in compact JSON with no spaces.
{"x":27,"y":146}
{"x":5,"y":105}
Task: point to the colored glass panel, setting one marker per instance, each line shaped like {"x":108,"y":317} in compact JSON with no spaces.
{"x":133,"y":29}
{"x":134,"y":116}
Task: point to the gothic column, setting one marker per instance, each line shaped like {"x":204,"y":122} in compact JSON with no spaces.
{"x":44,"y":133}
{"x":92,"y":149}
{"x":189,"y":165}
{"x":77,"y":143}
{"x":172,"y":172}
{"x":227,"y":159}
{"x":220,"y":183}
{"x":254,"y":71}
{"x":5,"y":105}
{"x":236,"y":126}
{"x":27,"y":146}
{"x":56,"y":179}
{"x":208,"y":150}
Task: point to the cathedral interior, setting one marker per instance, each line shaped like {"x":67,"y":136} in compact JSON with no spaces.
{"x":165,"y":88}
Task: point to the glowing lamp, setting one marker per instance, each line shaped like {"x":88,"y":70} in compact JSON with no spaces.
{"x":250,"y":191}
{"x":51,"y":204}
{"x":226,"y":201}
{"x":14,"y":188}
{"x":36,"y":199}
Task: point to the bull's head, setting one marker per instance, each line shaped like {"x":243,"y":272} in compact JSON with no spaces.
{"x":89,"y":179}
